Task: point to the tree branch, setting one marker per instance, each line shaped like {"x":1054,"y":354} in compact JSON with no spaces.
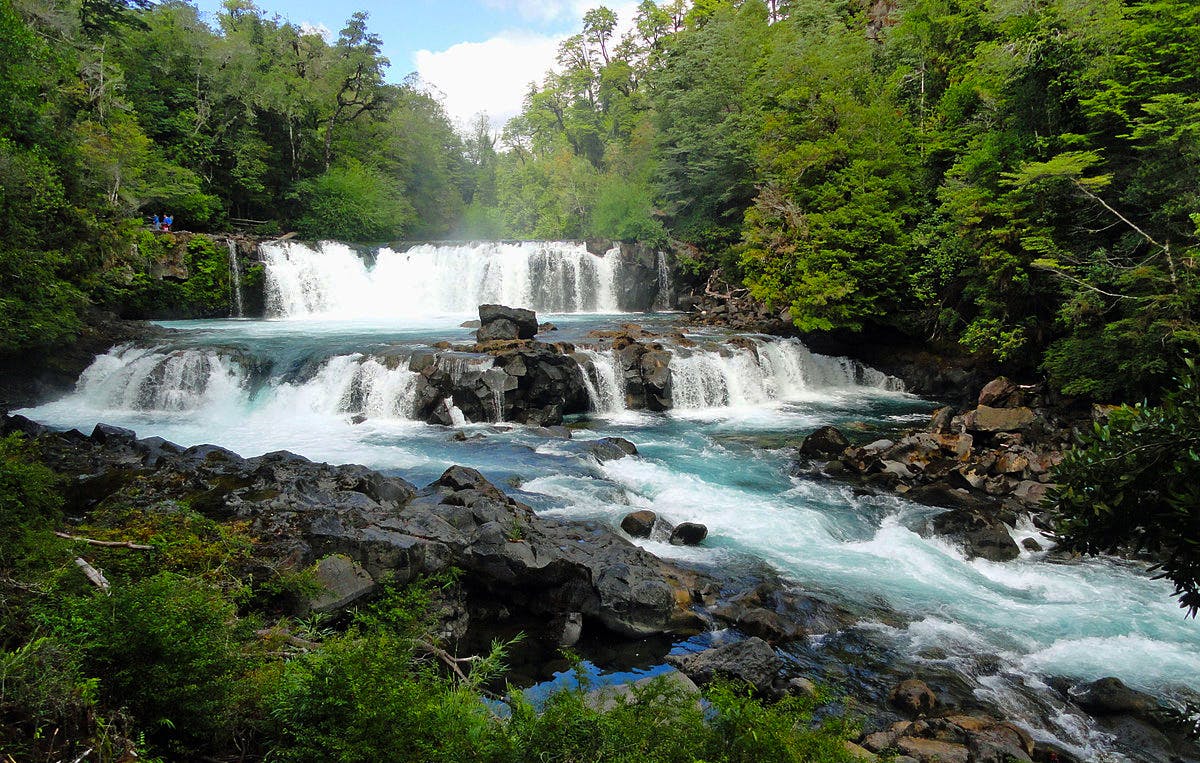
{"x":106,"y":543}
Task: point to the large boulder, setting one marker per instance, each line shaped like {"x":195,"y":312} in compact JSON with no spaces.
{"x":999,"y":393}
{"x":982,"y":535}
{"x":499,"y":322}
{"x":752,"y":661}
{"x":611,"y":448}
{"x":826,"y":442}
{"x":988,"y":419}
{"x":688,"y":534}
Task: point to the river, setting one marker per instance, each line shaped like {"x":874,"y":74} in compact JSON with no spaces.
{"x":326,"y":376}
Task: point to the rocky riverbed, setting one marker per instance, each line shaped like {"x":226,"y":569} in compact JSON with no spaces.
{"x":358,"y":527}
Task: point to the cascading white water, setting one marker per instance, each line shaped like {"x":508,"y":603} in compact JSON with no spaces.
{"x":140,"y":379}
{"x":235,"y":281}
{"x":603,"y":379}
{"x":666,"y":283}
{"x":355,"y":384}
{"x":765,"y":371}
{"x":333,"y":281}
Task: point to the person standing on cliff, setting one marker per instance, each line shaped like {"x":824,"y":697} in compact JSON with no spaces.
{"x":155,"y":223}
{"x":168,"y":221}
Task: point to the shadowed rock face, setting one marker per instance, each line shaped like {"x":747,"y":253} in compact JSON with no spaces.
{"x":304,"y":511}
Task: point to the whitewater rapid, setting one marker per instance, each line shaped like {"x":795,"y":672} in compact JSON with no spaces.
{"x":329,"y":378}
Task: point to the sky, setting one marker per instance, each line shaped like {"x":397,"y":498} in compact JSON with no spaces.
{"x":480,"y":54}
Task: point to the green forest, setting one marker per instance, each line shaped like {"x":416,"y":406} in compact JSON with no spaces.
{"x":1020,"y":180}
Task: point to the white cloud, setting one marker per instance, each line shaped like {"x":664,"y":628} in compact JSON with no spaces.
{"x":320,"y":30}
{"x":543,"y":11}
{"x":494,"y":75}
{"x":491,"y":76}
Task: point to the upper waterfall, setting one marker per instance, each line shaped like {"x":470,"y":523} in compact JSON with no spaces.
{"x":333,"y":281}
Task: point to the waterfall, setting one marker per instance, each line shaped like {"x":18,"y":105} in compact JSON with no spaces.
{"x":235,"y":281}
{"x":666,"y":284}
{"x":356,"y":384}
{"x":140,"y":379}
{"x":333,"y":281}
{"x":603,"y":379}
{"x":765,"y":370}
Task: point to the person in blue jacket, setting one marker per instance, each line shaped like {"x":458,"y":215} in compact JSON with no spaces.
{"x":168,"y":221}
{"x":156,"y":223}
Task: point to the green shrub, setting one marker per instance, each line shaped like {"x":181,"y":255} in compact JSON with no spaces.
{"x":30,"y":504}
{"x":624,"y":211}
{"x":353,"y":202}
{"x":169,"y":651}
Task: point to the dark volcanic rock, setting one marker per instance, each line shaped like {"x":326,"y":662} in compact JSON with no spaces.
{"x":611,"y":448}
{"x":688,"y":534}
{"x":780,"y":614}
{"x":826,"y":442}
{"x":530,"y":383}
{"x":752,"y":661}
{"x":383,"y":526}
{"x":982,"y":534}
{"x":639,"y":524}
{"x":501,"y":322}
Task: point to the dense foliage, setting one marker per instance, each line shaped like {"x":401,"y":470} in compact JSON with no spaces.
{"x":1018,"y":178}
{"x":191,"y":656}
{"x":1133,"y":484}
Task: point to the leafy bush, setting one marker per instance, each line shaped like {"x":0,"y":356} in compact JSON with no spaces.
{"x":30,"y":504}
{"x":169,"y":650}
{"x":353,"y":202}
{"x":624,"y":211}
{"x":1134,"y":483}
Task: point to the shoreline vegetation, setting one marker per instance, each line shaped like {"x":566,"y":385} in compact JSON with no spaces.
{"x":960,"y":190}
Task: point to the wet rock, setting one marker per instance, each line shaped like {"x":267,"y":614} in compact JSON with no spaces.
{"x":940,"y":421}
{"x":780,"y":614}
{"x":639,"y":524}
{"x":825,"y":442}
{"x":544,"y":327}
{"x":933,"y":750}
{"x":470,"y":324}
{"x":1110,"y":696}
{"x":498,"y":322}
{"x":982,"y":535}
{"x":688,"y":534}
{"x":752,"y":661}
{"x":557,"y":431}
{"x":611,"y":448}
{"x":112,"y":435}
{"x":914,"y":697}
{"x":1029,"y":544}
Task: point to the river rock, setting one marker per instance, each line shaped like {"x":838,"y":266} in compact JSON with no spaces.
{"x":982,"y":535}
{"x":498,"y":322}
{"x":998,"y":393}
{"x":639,"y":524}
{"x":987,"y":419}
{"x":688,"y":534}
{"x":304,"y":512}
{"x":611,"y":448}
{"x":824,"y":443}
{"x":752,"y":661}
{"x":780,"y":614}
{"x":913,"y":697}
{"x":343,"y":581}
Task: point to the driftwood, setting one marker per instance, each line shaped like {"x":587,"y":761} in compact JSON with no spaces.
{"x":107,"y":543}
{"x":94,"y":575}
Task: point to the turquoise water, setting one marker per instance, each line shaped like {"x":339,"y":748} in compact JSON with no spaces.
{"x":258,"y":386}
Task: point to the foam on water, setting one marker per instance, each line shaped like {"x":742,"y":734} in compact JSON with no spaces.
{"x":332,"y":281}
